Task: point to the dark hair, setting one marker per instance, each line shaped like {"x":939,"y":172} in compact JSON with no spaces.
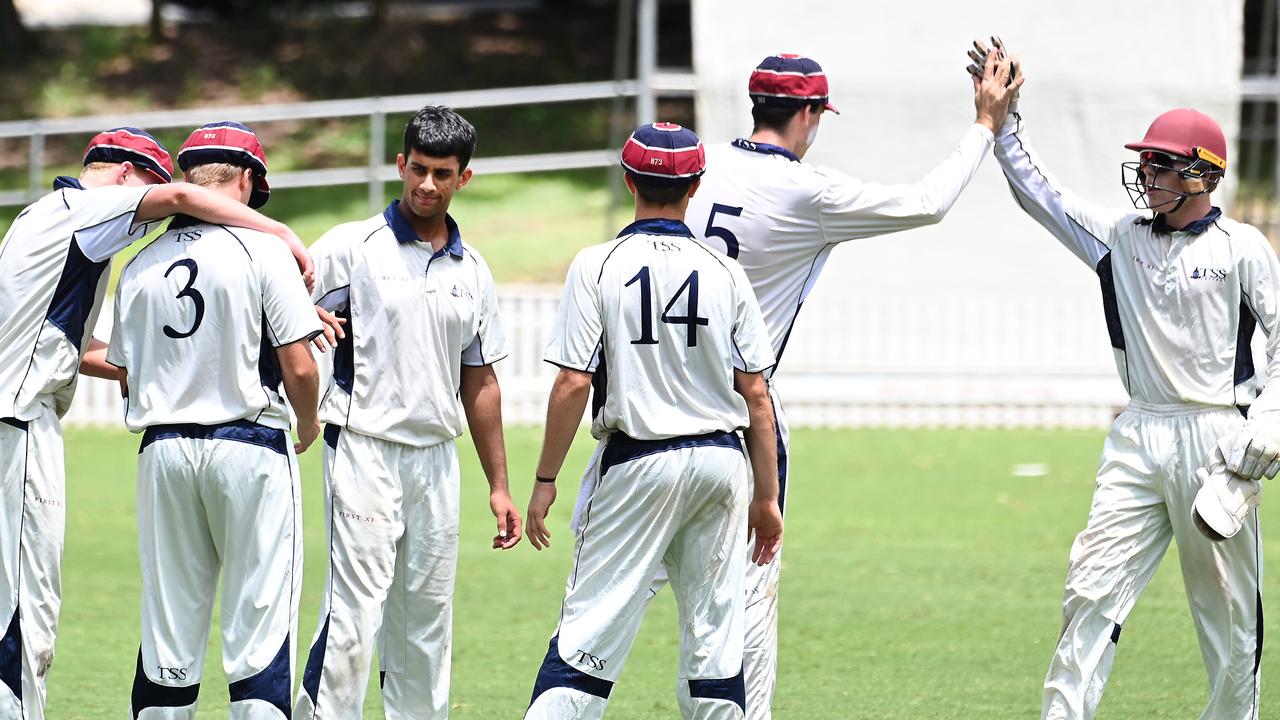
{"x":773,"y":117}
{"x":437,"y":131}
{"x":660,"y":193}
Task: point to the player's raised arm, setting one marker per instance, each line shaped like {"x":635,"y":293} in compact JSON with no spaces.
{"x":853,"y":209}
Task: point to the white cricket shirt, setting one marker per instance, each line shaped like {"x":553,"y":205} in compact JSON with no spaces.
{"x":414,"y":318}
{"x":662,"y":321}
{"x":780,"y":218}
{"x":1181,"y":307}
{"x":199,"y":314}
{"x":53,"y":277}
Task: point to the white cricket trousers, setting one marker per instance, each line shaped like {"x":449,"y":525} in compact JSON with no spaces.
{"x":32,"y":524}
{"x":1145,"y":491}
{"x":681,"y":503}
{"x":393,"y":554}
{"x":760,"y":661}
{"x":218,"y":498}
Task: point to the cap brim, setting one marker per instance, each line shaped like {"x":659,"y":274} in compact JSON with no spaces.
{"x":261,"y":192}
{"x":1168,"y":148}
{"x":832,"y":108}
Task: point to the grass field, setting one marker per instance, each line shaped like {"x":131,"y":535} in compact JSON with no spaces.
{"x":922,"y":580}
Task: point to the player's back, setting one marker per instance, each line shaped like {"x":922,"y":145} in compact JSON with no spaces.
{"x":199,"y":313}
{"x":675,"y":317}
{"x":762,"y":207}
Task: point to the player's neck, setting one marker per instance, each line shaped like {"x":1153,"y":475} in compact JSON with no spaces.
{"x":1196,"y":207}
{"x":649,"y":211}
{"x":433,"y":229}
{"x":769,"y":136}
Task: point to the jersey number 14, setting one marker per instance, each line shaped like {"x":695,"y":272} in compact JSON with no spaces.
{"x":690,"y":319}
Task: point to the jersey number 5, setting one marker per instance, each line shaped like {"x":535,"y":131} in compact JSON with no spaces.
{"x":189,"y":292}
{"x":690,"y":319}
{"x":730,"y":240}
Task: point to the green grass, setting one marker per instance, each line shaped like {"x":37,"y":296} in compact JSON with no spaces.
{"x":922,"y":580}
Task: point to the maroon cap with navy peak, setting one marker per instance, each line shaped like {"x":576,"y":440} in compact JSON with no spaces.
{"x":664,"y":154}
{"x":786,"y":80}
{"x":130,"y":144}
{"x":233,"y":144}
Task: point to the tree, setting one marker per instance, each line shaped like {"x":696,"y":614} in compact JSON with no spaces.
{"x":16,"y":42}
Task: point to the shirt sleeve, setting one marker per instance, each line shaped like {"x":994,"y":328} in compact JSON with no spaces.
{"x":105,"y":219}
{"x":579,"y":323}
{"x":1082,"y":227}
{"x":490,"y":342}
{"x":1260,"y":283}
{"x":852,"y":209}
{"x":117,"y":347}
{"x":752,"y":352}
{"x":290,"y":316}
{"x":332,"y":254}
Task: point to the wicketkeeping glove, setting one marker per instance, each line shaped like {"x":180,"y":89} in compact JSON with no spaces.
{"x":979,"y":57}
{"x":1224,"y":501}
{"x":1253,"y":452}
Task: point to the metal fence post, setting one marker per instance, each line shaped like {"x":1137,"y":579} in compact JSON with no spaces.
{"x":646,"y":61}
{"x":377,"y":155}
{"x":35,"y":167}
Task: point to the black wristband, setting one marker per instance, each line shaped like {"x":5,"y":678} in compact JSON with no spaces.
{"x":544,"y":479}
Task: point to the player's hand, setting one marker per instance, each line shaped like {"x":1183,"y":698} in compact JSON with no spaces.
{"x":504,"y":510}
{"x":332,"y":332}
{"x":544,"y":495}
{"x":1253,"y":452}
{"x":307,"y":434}
{"x":997,"y":87}
{"x":764,"y":522}
{"x":306,"y":265}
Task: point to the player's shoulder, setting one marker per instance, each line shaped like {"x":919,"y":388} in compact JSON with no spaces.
{"x":473,"y":256}
{"x":1242,"y":232}
{"x":351,"y":234}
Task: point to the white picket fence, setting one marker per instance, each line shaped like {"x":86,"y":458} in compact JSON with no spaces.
{"x":942,"y":363}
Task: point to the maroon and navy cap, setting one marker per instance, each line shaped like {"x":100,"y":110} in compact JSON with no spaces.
{"x":129,"y":144}
{"x":233,"y":144}
{"x":785,"y":80}
{"x":664,"y":154}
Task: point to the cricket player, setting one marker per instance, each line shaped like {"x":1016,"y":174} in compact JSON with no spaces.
{"x":53,"y":275}
{"x":1183,"y":290}
{"x":669,"y":334}
{"x":423,"y":331}
{"x":210,"y":321}
{"x":780,"y":218}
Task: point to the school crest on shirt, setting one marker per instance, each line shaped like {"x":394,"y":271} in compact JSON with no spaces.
{"x":459,"y":292}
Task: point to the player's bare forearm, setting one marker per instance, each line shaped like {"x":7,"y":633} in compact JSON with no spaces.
{"x":564,"y":412}
{"x":94,"y":363}
{"x":482,"y":402}
{"x":761,"y":435}
{"x":214,"y":207}
{"x":302,"y":386}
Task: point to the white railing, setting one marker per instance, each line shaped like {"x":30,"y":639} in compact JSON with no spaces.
{"x":376,"y":171}
{"x":883,"y":366}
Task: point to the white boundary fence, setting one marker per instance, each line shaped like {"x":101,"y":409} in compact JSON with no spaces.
{"x":843,"y":369}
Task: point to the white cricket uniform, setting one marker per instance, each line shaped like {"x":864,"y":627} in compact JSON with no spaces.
{"x":1185,"y":380}
{"x":662,"y":321}
{"x":53,"y":276}
{"x":414,"y":318}
{"x":780,"y":219}
{"x":199,"y":315}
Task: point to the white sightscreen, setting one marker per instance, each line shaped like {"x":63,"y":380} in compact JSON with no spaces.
{"x":985,"y":308}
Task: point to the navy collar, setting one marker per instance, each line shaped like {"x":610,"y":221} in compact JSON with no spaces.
{"x":1161,"y":227}
{"x":405,"y":233}
{"x":656,"y":226}
{"x":63,"y":182}
{"x":764,"y":149}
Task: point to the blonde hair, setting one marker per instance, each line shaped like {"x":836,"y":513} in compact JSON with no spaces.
{"x":212,"y":174}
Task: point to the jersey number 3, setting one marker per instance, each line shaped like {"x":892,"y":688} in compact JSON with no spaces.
{"x":690,"y":319}
{"x":188,"y":292}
